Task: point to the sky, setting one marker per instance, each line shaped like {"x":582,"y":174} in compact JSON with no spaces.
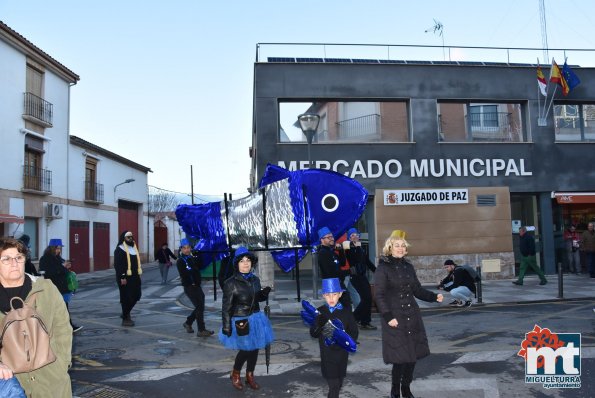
{"x":169,"y":84}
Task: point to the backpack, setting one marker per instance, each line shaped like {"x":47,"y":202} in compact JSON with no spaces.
{"x":472,"y":272}
{"x":25,"y":341}
{"x":71,"y":281}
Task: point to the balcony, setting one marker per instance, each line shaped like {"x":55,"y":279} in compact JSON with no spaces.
{"x":38,"y":110}
{"x":93,"y":192}
{"x":37,"y":180}
{"x":357,"y":128}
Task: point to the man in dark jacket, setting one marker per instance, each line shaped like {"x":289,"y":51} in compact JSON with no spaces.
{"x":459,"y":283}
{"x":163,"y":256}
{"x":527,"y":248}
{"x":359,"y":263}
{"x":189,"y":270}
{"x":329,"y":263}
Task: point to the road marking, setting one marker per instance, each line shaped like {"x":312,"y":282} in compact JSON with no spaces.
{"x":175,"y":292}
{"x":484,"y":356}
{"x":150,"y":374}
{"x":275,"y":369}
{"x":488,"y":386}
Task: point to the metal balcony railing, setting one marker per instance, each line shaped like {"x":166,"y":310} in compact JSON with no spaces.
{"x":38,"y":108}
{"x":359,"y":127}
{"x":37,"y":179}
{"x":93,"y":191}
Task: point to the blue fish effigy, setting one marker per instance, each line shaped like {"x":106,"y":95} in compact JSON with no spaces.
{"x":286,"y":211}
{"x":340,"y":336}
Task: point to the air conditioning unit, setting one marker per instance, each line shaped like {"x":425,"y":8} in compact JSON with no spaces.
{"x":54,"y":210}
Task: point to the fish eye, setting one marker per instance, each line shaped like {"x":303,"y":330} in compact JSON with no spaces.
{"x":330,"y":202}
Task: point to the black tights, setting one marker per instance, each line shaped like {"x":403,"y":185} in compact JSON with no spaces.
{"x":402,"y":375}
{"x":246,"y":356}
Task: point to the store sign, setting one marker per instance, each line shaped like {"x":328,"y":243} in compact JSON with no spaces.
{"x":419,"y":168}
{"x":402,"y":197}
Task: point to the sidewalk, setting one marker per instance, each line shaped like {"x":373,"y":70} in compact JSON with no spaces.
{"x":283,"y":300}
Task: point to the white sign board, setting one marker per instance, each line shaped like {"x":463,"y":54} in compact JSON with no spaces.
{"x":401,"y":197}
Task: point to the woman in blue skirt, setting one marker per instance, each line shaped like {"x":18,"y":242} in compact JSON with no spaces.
{"x":245,"y":327}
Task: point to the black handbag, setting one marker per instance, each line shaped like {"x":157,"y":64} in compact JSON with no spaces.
{"x":242,"y":327}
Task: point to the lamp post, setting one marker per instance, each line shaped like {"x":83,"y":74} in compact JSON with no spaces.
{"x":309,"y":125}
{"x":129,"y":180}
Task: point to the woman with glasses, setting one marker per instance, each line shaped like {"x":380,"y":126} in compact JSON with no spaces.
{"x":51,"y":380}
{"x":404,"y":339}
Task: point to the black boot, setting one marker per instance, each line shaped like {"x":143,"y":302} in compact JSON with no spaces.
{"x":406,"y":391}
{"x":394,"y":392}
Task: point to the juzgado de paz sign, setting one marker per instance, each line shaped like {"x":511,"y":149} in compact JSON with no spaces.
{"x":418,"y":168}
{"x":403,"y":197}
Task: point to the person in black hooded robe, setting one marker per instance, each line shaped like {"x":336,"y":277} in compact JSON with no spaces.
{"x":128,"y":271}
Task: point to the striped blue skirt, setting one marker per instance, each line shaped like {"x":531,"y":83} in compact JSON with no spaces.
{"x":260,"y":334}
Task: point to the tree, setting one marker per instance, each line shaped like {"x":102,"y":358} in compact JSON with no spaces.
{"x":161,"y":201}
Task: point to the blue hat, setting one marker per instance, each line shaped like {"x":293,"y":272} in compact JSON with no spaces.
{"x":323,"y":232}
{"x":331,"y":285}
{"x":242,"y":252}
{"x":185,"y":242}
{"x":351,"y":232}
{"x":55,"y":242}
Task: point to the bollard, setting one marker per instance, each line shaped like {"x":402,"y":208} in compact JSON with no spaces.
{"x":479,"y":296}
{"x":560,"y":282}
{"x":297,"y":276}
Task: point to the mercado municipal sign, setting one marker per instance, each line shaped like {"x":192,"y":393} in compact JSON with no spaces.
{"x":419,"y":168}
{"x":400,"y":197}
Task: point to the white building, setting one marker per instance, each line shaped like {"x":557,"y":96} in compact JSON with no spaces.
{"x":54,"y":185}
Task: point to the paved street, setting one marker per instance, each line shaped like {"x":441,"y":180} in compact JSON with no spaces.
{"x":473,"y":350}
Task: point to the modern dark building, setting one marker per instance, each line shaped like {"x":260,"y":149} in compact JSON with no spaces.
{"x":457,"y":154}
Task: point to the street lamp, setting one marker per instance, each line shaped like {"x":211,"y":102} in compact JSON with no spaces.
{"x":129,"y":180}
{"x":309,"y":124}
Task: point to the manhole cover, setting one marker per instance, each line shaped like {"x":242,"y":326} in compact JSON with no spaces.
{"x":96,"y":332}
{"x":106,"y":392}
{"x":282,"y":347}
{"x":102,"y":354}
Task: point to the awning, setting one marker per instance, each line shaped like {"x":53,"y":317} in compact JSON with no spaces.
{"x":10,"y":218}
{"x":574,"y":197}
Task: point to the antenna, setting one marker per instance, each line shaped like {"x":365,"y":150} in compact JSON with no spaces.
{"x":438,"y":28}
{"x":543,"y":30}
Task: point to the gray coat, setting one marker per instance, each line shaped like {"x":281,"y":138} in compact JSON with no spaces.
{"x":396,"y":288}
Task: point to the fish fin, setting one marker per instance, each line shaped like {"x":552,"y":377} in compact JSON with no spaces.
{"x":273,"y":173}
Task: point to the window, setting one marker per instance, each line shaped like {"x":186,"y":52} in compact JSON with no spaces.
{"x":574,"y":122}
{"x":35,"y":177}
{"x":480,"y":122}
{"x":347,"y":122}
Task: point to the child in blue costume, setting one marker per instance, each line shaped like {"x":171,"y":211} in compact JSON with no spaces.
{"x":245,"y":327}
{"x":333,"y":358}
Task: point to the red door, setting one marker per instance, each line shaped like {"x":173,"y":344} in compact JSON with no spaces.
{"x":160,"y":234}
{"x":101,"y":253}
{"x":79,"y":246}
{"x":128,"y":219}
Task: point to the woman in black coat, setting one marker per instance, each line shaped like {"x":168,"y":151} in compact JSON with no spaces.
{"x":55,"y":268}
{"x":404,"y":339}
{"x":245,"y":327}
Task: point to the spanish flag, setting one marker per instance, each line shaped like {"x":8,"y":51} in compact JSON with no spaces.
{"x":557,"y":78}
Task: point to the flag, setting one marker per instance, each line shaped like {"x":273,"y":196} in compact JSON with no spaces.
{"x":570,"y":77}
{"x":541,"y":82}
{"x":557,"y":78}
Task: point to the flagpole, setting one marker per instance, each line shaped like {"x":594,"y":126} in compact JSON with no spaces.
{"x":551,"y":102}
{"x":539,"y":95}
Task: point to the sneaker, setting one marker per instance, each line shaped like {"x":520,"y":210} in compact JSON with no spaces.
{"x":368,"y":326}
{"x":468,"y":303}
{"x":453,"y":302}
{"x":517,"y":283}
{"x":205,"y":333}
{"x":462,"y":304}
{"x":188,"y":327}
{"x":76,"y":328}
{"x":456,"y":303}
{"x":127,"y":322}
{"x":544,"y":282}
